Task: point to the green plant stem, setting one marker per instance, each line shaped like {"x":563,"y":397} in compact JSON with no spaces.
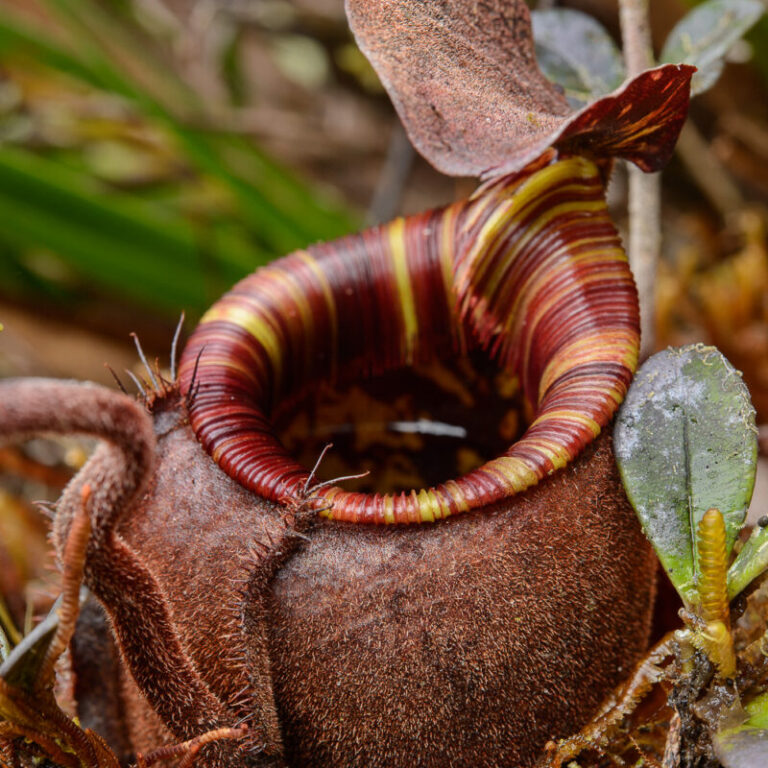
{"x":644,"y":189}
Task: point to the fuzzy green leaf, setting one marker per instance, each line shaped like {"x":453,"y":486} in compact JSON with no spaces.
{"x":685,"y":441}
{"x":705,"y":35}
{"x":575,"y":51}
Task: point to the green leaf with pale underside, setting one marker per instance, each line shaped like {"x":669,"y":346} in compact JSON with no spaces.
{"x":575,"y":51}
{"x":705,"y":35}
{"x":685,"y":441}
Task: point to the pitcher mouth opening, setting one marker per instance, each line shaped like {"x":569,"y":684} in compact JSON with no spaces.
{"x":408,"y":428}
{"x":531,"y":269}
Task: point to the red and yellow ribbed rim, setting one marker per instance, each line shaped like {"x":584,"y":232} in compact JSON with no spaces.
{"x":531,"y":268}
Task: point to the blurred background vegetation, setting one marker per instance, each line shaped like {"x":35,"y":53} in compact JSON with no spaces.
{"x":132,"y":167}
{"x":152,"y":152}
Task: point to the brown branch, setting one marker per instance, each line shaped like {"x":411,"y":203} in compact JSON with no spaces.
{"x":393,"y":177}
{"x":14,"y":462}
{"x":710,"y":175}
{"x":644,"y":189}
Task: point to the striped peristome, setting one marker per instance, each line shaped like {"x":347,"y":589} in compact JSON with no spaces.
{"x":530,"y":267}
